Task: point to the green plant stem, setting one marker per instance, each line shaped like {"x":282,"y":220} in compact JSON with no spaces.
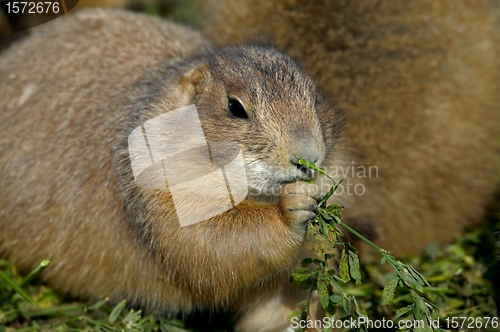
{"x":373,"y":245}
{"x":53,"y":310}
{"x":337,"y":285}
{"x":43,"y":264}
{"x":306,"y":305}
{"x":16,"y":287}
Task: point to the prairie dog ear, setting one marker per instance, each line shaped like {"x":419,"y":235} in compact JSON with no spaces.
{"x":193,"y":83}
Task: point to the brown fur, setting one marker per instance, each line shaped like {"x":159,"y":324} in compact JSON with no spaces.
{"x":71,"y":93}
{"x":420,"y":82}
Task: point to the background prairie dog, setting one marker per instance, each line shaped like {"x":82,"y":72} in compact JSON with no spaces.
{"x":71,"y":93}
{"x":420,"y":83}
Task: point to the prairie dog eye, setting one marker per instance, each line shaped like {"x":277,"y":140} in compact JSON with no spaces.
{"x":237,"y":109}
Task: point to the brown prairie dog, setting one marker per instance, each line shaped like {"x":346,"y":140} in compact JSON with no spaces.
{"x":420,"y":83}
{"x":72,"y":92}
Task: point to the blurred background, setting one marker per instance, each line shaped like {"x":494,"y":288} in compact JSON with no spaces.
{"x":181,"y":11}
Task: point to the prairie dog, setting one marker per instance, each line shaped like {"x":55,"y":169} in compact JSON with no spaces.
{"x":71,"y":93}
{"x":420,"y":83}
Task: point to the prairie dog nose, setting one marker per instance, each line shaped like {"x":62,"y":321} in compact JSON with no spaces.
{"x":306,"y":147}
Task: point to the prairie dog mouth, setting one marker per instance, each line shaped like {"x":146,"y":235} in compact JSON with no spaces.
{"x":265,"y":182}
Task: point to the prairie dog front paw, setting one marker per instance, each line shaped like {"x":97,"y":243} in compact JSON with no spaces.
{"x":298,"y":202}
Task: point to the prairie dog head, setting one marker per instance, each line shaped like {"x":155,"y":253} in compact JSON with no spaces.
{"x":264,"y":102}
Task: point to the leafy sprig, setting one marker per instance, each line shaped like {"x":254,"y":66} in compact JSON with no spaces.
{"x":326,"y":233}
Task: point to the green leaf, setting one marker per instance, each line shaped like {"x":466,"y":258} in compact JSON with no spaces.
{"x":401,"y":311}
{"x":344,"y":266}
{"x":350,"y":302}
{"x":310,"y":165}
{"x":323,"y":226}
{"x":327,"y":196}
{"x":325,"y":215}
{"x":334,"y":210}
{"x":419,"y":277}
{"x":345,"y":305}
{"x":335,"y":299}
{"x":416,"y":284}
{"x":322,"y":288}
{"x":388,"y":292}
{"x":302,"y":274}
{"x":306,"y":261}
{"x":339,"y":279}
{"x":329,"y":256}
{"x":116,"y":311}
{"x":337,"y":231}
{"x":409,"y":280}
{"x":394,"y":263}
{"x":419,"y":309}
{"x":330,"y":192}
{"x":132,"y":318}
{"x":354,"y":264}
{"x":98,"y":304}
